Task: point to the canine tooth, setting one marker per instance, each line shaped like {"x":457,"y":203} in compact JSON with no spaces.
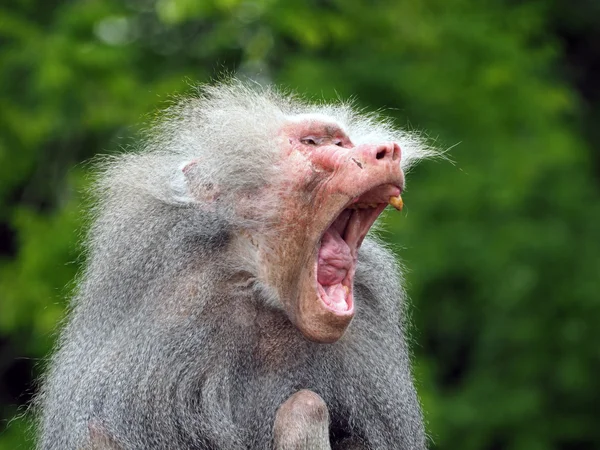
{"x":396,"y":202}
{"x":346,"y":290}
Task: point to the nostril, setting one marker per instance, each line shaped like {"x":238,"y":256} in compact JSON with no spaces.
{"x":396,"y":152}
{"x":381,"y":154}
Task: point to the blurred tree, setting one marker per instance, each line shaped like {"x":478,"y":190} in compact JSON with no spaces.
{"x":502,"y":246}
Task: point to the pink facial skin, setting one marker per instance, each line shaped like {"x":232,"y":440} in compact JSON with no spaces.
{"x":333,"y":194}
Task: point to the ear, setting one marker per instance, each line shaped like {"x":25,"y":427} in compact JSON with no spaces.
{"x":188,"y":166}
{"x":190,"y":186}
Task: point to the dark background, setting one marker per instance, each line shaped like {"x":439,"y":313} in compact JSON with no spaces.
{"x":503,"y":246}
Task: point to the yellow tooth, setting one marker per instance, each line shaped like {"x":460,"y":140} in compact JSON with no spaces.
{"x":372,"y":205}
{"x":346,"y":290}
{"x":397,"y":202}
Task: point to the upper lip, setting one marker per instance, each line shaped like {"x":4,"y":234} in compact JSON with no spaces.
{"x":380,"y":193}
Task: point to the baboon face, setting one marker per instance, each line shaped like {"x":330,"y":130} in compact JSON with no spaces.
{"x":333,"y":191}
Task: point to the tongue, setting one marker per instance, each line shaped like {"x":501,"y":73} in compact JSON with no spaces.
{"x":335,"y":259}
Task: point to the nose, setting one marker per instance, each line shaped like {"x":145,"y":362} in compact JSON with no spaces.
{"x":380,"y":153}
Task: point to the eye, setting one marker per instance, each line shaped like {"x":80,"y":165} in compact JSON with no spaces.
{"x":310,"y":141}
{"x":339,"y":143}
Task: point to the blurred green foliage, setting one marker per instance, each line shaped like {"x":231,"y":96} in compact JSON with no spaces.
{"x":502,"y":246}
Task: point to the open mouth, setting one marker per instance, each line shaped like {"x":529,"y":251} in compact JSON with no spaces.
{"x":339,"y":245}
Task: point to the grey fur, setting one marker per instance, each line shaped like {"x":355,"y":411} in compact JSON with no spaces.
{"x":173,"y":343}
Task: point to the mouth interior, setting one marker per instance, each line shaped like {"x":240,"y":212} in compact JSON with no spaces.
{"x":338,"y":254}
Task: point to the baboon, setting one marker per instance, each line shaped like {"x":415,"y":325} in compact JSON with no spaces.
{"x":231,"y":298}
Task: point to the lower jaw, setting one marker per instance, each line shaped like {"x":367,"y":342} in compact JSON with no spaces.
{"x":320,"y":324}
